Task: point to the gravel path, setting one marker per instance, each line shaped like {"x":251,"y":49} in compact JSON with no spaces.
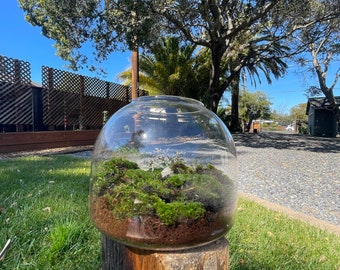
{"x":301,"y":173}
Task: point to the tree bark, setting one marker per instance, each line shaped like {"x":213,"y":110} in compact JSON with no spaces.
{"x":213,"y":256}
{"x":214,"y":84}
{"x":235,"y":125}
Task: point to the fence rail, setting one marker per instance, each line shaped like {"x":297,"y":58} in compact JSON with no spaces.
{"x":28,"y":141}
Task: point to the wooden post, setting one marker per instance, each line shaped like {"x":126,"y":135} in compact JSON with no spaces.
{"x":134,"y":73}
{"x":214,"y":256}
{"x":135,"y":56}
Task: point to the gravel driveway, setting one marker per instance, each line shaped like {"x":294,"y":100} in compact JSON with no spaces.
{"x":299,"y":172}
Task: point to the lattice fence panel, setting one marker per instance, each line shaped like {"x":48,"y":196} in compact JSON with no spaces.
{"x":97,"y":100}
{"x":119,"y":92}
{"x":15,"y":92}
{"x":72,"y":109}
{"x":53,"y":108}
{"x":95,"y":87}
{"x":71,"y":99}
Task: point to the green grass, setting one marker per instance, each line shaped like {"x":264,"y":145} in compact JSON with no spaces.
{"x":265,"y":239}
{"x":44,"y":210}
{"x":45,"y":213}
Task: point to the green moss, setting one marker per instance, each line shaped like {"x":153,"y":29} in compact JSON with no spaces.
{"x":205,"y":188}
{"x":170,"y":213}
{"x":177,"y":180}
{"x":184,"y":193}
{"x":112,"y":173}
{"x":180,"y":167}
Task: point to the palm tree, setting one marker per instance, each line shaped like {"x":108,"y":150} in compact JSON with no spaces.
{"x":171,"y":68}
{"x":255,"y":58}
{"x":145,"y":82}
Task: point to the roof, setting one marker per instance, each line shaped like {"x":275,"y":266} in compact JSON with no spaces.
{"x":320,"y":103}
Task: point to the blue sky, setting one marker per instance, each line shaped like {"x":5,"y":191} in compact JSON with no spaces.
{"x":22,"y":41}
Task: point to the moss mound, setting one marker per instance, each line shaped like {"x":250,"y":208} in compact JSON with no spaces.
{"x":174,"y":193}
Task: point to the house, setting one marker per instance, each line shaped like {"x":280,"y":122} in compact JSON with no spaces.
{"x":322,"y":121}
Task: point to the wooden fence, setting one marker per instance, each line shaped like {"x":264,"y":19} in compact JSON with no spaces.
{"x":79,"y":101}
{"x":64,"y":102}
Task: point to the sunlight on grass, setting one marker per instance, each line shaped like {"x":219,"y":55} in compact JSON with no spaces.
{"x":45,"y":213}
{"x":264,"y":239}
{"x":44,"y":210}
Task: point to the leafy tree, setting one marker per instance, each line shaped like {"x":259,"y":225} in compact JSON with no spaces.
{"x":298,"y":112}
{"x":321,"y":41}
{"x":145,"y":82}
{"x":215,"y":25}
{"x":121,"y":24}
{"x":219,"y":26}
{"x":280,"y":117}
{"x":108,"y":25}
{"x":253,"y":106}
{"x":299,"y":116}
{"x":265,"y":51}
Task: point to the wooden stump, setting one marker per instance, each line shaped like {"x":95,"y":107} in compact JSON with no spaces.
{"x":214,"y":256}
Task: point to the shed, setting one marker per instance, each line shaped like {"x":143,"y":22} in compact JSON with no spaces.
{"x":322,"y":120}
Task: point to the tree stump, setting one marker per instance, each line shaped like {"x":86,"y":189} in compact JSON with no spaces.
{"x":213,"y":256}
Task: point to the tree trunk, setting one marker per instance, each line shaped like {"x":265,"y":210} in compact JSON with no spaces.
{"x":214,"y":84}
{"x":214,"y":256}
{"x":235,"y":125}
{"x":112,"y":254}
{"x":327,"y":91}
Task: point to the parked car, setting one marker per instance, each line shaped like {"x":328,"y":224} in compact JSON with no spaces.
{"x":290,"y":128}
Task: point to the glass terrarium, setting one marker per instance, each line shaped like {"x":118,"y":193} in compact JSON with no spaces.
{"x":163,"y":175}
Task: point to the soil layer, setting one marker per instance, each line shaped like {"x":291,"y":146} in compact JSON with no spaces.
{"x":148,"y":232}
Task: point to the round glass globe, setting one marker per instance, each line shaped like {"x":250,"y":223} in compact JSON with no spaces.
{"x":163,"y":175}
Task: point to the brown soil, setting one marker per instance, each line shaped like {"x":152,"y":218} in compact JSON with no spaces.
{"x":150,"y":232}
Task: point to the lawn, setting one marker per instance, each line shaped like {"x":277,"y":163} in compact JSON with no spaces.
{"x":44,"y":211}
